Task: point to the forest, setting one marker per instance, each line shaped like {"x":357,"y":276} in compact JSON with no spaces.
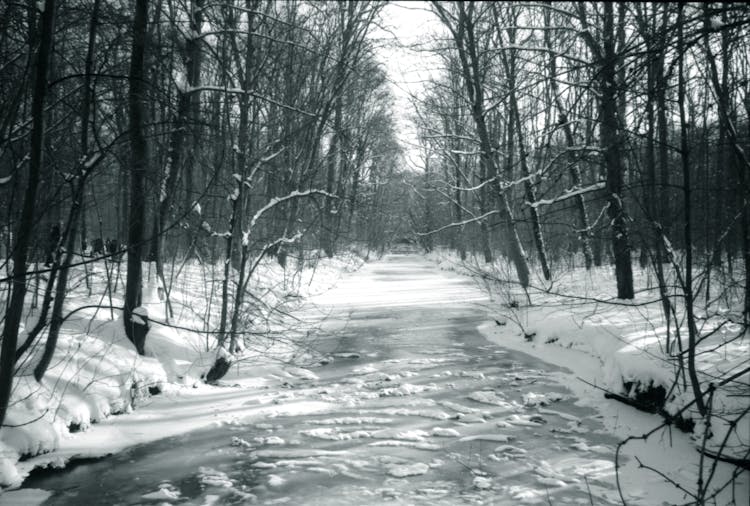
{"x":171,"y":131}
{"x":160,"y":157}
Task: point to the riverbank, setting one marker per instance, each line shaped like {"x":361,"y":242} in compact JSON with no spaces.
{"x":99,"y":396}
{"x":617,"y":346}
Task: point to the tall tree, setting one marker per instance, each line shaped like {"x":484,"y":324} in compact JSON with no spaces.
{"x":573,"y":163}
{"x":461,"y":20}
{"x":14,"y":310}
{"x":606,"y":57}
{"x":138,"y":170}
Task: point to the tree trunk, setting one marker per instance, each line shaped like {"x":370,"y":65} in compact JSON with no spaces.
{"x":194,"y":68}
{"x":573,"y":168}
{"x":484,"y":231}
{"x":463,"y":35}
{"x":514,"y":123}
{"x":188,"y":101}
{"x":138,"y":169}
{"x":238,"y":204}
{"x":235,"y":200}
{"x":76,"y":213}
{"x":427,"y":241}
{"x":609,"y":142}
{"x":529,"y":187}
{"x":688,"y":288}
{"x":14,"y":310}
{"x":460,"y":238}
{"x":56,"y":320}
{"x":334,"y":166}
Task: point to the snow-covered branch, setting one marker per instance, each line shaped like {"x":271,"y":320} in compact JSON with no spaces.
{"x":281,"y":240}
{"x":278,"y":200}
{"x":254,"y":94}
{"x":262,"y":161}
{"x":596,"y":221}
{"x":517,"y":47}
{"x":466,"y":153}
{"x":454,"y":202}
{"x":255,"y":34}
{"x":474,"y":188}
{"x":573,"y":192}
{"x":459,"y":223}
{"x":504,"y":185}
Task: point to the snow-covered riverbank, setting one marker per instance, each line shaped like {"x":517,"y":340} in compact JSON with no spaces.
{"x":617,"y":346}
{"x":404,"y":402}
{"x":96,"y":372}
{"x":408,"y":404}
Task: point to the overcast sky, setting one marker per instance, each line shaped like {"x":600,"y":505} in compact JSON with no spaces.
{"x":407,"y":28}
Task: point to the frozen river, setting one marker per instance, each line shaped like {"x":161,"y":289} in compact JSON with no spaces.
{"x":421,"y":410}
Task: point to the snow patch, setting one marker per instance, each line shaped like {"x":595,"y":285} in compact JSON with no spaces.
{"x":270,"y":440}
{"x":532,"y":399}
{"x":275,"y":481}
{"x":441,"y":432}
{"x":402,"y":471}
{"x":498,"y":438}
{"x":163,"y":494}
{"x":403,"y":435}
{"x":482,"y":483}
{"x":487,"y":397}
{"x":213,"y":478}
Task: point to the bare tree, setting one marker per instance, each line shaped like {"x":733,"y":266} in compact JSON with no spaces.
{"x":14,"y":310}
{"x":461,"y":22}
{"x":138,"y":171}
{"x":606,"y":57}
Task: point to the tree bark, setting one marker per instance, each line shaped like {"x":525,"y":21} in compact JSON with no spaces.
{"x":14,"y":311}
{"x":684,"y":155}
{"x":138,"y":168}
{"x":76,"y":213}
{"x":88,"y":98}
{"x":609,"y":142}
{"x":529,"y":187}
{"x":333,"y":168}
{"x":186,"y":117}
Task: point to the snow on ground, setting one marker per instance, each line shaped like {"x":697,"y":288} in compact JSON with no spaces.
{"x":410,"y":404}
{"x":96,"y":373}
{"x":402,"y":471}
{"x":611,"y":346}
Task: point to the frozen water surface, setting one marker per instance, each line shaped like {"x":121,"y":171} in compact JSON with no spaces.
{"x":418,"y":406}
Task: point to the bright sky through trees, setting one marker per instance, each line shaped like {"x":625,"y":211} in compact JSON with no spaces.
{"x":404,"y":39}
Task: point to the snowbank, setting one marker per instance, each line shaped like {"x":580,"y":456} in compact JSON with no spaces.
{"x":96,"y":372}
{"x":619,"y":346}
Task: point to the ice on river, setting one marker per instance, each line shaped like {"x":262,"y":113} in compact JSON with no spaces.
{"x":447,"y":432}
{"x":402,"y":471}
{"x":494,"y":399}
{"x":411,"y":405}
